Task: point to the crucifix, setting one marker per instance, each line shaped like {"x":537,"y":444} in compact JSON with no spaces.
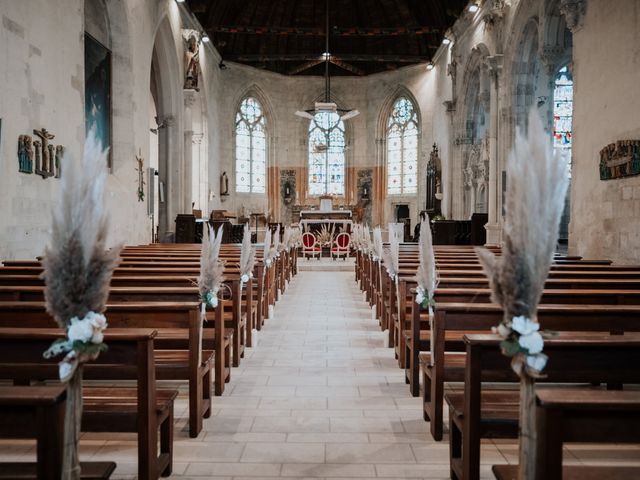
{"x":45,"y":136}
{"x":140,"y":171}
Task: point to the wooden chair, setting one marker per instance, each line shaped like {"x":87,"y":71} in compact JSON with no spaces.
{"x":341,"y":246}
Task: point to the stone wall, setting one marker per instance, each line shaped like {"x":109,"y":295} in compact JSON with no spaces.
{"x":605,"y":220}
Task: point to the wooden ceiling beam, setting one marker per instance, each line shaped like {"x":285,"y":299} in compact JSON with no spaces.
{"x":304,"y":57}
{"x":305,"y":66}
{"x":319,"y":32}
{"x":346,"y":66}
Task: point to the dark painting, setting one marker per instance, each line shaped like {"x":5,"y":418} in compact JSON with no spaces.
{"x":97,"y":90}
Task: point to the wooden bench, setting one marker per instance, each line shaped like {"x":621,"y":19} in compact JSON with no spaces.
{"x":477,"y":413}
{"x":143,"y":409}
{"x":458,"y":319}
{"x":38,"y":412}
{"x":581,"y":415}
{"x":180,"y":352}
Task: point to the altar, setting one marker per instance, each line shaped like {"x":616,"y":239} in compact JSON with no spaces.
{"x":311,"y":220}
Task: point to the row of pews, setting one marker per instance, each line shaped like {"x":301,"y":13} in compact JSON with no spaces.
{"x":592,"y":305}
{"x":155,"y":333}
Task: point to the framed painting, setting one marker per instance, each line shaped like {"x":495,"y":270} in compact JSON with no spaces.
{"x":97,"y":91}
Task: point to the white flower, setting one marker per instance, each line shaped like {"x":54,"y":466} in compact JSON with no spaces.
{"x":501,"y":330}
{"x":80,"y":330}
{"x":97,"y":320}
{"x":537,"y":362}
{"x":532,"y":342}
{"x":419,"y":297}
{"x":524,"y":325}
{"x":244,"y":278}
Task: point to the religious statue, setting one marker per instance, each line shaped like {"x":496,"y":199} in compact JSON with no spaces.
{"x":224,"y":184}
{"x":59,"y":155}
{"x":25,"y":154}
{"x":140,"y":170}
{"x":192,"y":69}
{"x":38,"y":148}
{"x":46,"y":152}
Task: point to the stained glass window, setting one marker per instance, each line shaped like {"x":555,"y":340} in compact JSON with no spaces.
{"x":326,"y":154}
{"x":251,"y":147}
{"x":402,"y":148}
{"x":563,"y":111}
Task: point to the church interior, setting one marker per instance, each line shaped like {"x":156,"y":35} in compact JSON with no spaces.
{"x":251,"y":239}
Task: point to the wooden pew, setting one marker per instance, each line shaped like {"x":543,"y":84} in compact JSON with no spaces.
{"x":461,"y":318}
{"x":38,"y":412}
{"x":573,"y":358}
{"x":581,"y":415}
{"x":144,"y":409}
{"x":179,"y":348}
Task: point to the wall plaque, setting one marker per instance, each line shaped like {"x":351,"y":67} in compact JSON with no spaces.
{"x":620,"y":159}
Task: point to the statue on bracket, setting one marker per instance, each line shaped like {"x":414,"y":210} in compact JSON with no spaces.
{"x":46,"y":153}
{"x":224,"y":184}
{"x":192,"y":58}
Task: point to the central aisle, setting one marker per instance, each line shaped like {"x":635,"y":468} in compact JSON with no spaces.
{"x":319,"y":396}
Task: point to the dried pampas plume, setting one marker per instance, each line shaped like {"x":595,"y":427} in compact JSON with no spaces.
{"x":247,"y":252}
{"x":391,"y":257}
{"x":426,"y":275}
{"x":267,"y":246}
{"x":77,"y":266}
{"x":378,"y":246}
{"x":211,"y":267}
{"x":535,"y":197}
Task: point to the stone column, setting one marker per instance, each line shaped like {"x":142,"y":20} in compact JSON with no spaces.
{"x":190,"y":100}
{"x":494,"y":227}
{"x":448,"y":188}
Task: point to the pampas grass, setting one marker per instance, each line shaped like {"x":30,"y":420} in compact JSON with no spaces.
{"x":426,"y":274}
{"x":536,"y":191}
{"x":247,"y":253}
{"x":77,"y":266}
{"x":391,"y":257}
{"x":211,"y":267}
{"x":266,"y":251}
{"x":378,"y":246}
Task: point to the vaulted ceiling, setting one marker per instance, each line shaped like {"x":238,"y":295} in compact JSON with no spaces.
{"x":288,"y":36}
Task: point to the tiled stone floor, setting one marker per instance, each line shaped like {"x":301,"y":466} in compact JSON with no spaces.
{"x":318,"y":397}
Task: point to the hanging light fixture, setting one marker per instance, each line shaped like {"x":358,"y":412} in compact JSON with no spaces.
{"x":327,"y":105}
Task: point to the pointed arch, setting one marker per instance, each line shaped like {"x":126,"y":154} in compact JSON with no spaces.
{"x":250,"y":145}
{"x":399,"y":128}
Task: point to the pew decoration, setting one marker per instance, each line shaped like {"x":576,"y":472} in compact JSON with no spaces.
{"x":77,"y":271}
{"x":378,"y":248}
{"x":286,"y":240}
{"x":391,"y":257}
{"x":534,"y":202}
{"x":247,"y":256}
{"x":266,"y":252}
{"x":426,"y":274}
{"x":274,"y":249}
{"x":211,"y":270}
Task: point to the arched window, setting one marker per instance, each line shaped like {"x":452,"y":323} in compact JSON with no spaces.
{"x":326,"y":154}
{"x":251,"y":147}
{"x":563,"y":112}
{"x":402,"y":148}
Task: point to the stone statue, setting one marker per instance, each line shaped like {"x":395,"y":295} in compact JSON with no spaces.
{"x":25,"y":154}
{"x":59,"y":155}
{"x":38,"y":147}
{"x":192,"y":69}
{"x":52,"y":157}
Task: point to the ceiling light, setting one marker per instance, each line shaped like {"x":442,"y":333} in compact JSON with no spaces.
{"x":446,"y":41}
{"x":205,"y":38}
{"x":430,"y":66}
{"x":473,"y":8}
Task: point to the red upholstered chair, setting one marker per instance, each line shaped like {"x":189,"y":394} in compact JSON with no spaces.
{"x":310,"y":245}
{"x":341,"y":246}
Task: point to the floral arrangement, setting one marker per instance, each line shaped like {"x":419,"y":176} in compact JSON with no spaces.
{"x":266,"y":252}
{"x":211,"y":269}
{"x":286,"y":239}
{"x":391,"y":257}
{"x":274,"y":249}
{"x":325,"y":237}
{"x":366,"y":239}
{"x":77,"y":273}
{"x":247,"y":256}
{"x":426,"y":274}
{"x":356,"y":236}
{"x":534,"y":202}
